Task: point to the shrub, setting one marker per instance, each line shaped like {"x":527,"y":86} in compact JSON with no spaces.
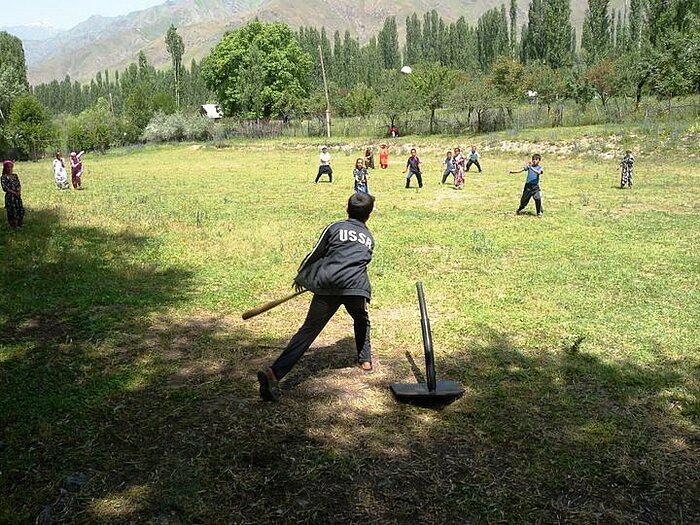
{"x":177,"y":127}
{"x":94,"y":129}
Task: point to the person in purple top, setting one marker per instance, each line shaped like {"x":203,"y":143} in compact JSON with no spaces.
{"x":76,"y":167}
{"x":532,"y":185}
{"x":413,"y":168}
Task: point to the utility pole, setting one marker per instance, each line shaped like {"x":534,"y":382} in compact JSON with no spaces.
{"x":325,"y":89}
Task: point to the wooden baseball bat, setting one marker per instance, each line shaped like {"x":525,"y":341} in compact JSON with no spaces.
{"x":269,"y":306}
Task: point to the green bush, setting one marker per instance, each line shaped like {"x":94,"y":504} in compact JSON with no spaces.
{"x":94,"y":129}
{"x":177,"y":127}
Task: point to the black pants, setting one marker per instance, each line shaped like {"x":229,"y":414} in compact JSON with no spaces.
{"x":323,"y":169}
{"x":419,"y":178}
{"x":322,"y":308}
{"x":475,"y":162}
{"x":531,"y":191}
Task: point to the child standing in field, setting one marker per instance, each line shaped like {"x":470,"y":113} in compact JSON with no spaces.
{"x":369,"y":158}
{"x":336,"y":272}
{"x":324,"y":167}
{"x":59,"y":172}
{"x":532,"y":185}
{"x":627,"y":170}
{"x":413,"y":168}
{"x":13,"y":195}
{"x":449,"y":167}
{"x":360,"y":175}
{"x":76,"y":168}
{"x":473,"y":158}
{"x":384,"y":156}
{"x":458,"y":161}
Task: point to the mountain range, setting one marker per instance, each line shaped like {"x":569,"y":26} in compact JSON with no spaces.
{"x":112,"y":43}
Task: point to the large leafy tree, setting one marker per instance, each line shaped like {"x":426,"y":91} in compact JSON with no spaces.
{"x":13,"y":71}
{"x":283,"y":73}
{"x":29,"y":126}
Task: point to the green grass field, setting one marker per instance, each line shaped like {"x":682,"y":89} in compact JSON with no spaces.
{"x":576,"y":337}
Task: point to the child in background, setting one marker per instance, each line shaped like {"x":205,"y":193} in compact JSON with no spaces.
{"x":369,"y":158}
{"x":76,"y":168}
{"x":458,"y":161}
{"x":13,"y":195}
{"x":413,"y":168}
{"x":532,"y":185}
{"x":59,"y":172}
{"x":324,"y":167}
{"x":449,"y":167}
{"x":336,"y":272}
{"x":627,"y":170}
{"x":384,"y":156}
{"x":473,"y":158}
{"x":360,"y":175}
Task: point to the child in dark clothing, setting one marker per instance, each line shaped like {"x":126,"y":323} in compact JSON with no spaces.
{"x":449,"y":167}
{"x":532,"y":185}
{"x":13,"y":195}
{"x":627,"y":170}
{"x":336,"y":272}
{"x":413,"y":168}
{"x":369,"y":158}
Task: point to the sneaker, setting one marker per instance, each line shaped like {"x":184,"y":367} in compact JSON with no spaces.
{"x":269,"y":387}
{"x":539,"y":215}
{"x":518,"y":212}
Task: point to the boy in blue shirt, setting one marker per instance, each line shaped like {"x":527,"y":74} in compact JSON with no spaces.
{"x":473,"y":158}
{"x":532,"y":185}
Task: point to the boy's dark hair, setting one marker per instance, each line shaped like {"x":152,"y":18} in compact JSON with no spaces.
{"x":537,"y":156}
{"x":360,"y":206}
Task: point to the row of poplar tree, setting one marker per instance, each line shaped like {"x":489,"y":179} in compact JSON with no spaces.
{"x":645,"y":32}
{"x":652,"y":47}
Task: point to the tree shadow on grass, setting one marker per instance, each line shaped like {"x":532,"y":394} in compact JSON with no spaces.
{"x":166,"y":424}
{"x":540,"y":436}
{"x":72,"y":298}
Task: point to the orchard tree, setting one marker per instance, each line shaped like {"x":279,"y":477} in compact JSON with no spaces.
{"x":432,"y":84}
{"x":507,"y":78}
{"x":397,"y":99}
{"x":602,"y":78}
{"x":284,"y":71}
{"x":360,"y":100}
{"x":477,"y":96}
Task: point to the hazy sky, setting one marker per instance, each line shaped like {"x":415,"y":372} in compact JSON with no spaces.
{"x":65,"y":14}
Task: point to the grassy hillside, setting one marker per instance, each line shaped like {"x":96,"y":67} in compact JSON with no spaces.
{"x":128,"y":378}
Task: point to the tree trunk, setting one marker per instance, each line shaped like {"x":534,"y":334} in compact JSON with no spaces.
{"x":432,"y":119}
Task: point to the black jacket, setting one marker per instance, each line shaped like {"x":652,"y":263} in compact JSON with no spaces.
{"x":338,"y":263}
